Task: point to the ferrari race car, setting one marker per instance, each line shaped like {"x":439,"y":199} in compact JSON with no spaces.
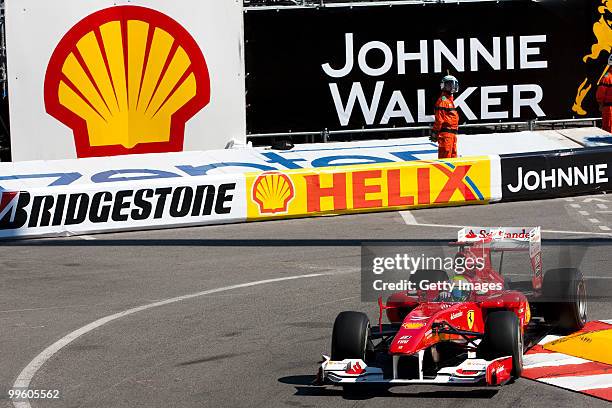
{"x":454,"y":337}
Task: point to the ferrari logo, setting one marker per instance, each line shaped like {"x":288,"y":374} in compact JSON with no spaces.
{"x":527,"y":313}
{"x":470,"y":319}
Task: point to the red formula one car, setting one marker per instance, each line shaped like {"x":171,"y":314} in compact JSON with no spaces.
{"x":475,"y":336}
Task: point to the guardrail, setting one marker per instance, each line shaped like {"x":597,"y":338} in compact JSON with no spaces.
{"x":254,"y":5}
{"x":327,"y":135}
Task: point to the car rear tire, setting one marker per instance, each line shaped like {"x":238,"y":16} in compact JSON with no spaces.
{"x":350,"y":336}
{"x":503,"y":337}
{"x":564,"y":291}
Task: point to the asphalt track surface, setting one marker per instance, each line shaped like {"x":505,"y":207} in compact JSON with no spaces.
{"x":240,"y":347}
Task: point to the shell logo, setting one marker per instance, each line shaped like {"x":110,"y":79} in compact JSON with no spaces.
{"x":412,"y":325}
{"x":272,"y":191}
{"x":126,"y":80}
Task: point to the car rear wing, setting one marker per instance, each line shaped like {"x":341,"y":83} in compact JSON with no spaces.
{"x":508,"y":239}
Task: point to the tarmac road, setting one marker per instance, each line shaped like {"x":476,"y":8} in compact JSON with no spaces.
{"x":238,"y":346}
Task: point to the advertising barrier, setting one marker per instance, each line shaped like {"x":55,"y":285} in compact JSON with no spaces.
{"x":381,"y":66}
{"x":366,"y":188}
{"x":62,"y":198}
{"x":130,"y":206}
{"x":105,"y":78}
{"x":533,"y":176}
{"x":97,"y":199}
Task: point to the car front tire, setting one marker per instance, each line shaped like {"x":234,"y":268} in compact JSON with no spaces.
{"x":503,"y":337}
{"x":350,"y":336}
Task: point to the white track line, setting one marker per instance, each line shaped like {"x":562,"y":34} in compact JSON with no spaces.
{"x":87,"y":237}
{"x":591,"y":199}
{"x":27,"y":374}
{"x":604,"y":228}
{"x":410,"y":220}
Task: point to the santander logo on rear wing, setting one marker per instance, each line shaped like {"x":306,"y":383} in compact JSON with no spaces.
{"x":521,"y":234}
{"x":510,"y":239}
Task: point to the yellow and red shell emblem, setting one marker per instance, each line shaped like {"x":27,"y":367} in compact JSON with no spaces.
{"x":126,"y":80}
{"x":412,"y":325}
{"x":272,"y":191}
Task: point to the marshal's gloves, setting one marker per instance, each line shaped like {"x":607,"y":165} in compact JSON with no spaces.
{"x":434,"y":137}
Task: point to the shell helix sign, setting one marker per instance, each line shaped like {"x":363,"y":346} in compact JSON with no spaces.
{"x":366,"y":188}
{"x":128,"y":79}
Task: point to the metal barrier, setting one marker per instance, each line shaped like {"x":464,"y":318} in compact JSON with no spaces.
{"x":326,"y":135}
{"x":274,"y":4}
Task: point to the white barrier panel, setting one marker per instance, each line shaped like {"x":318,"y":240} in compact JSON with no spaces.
{"x":156,"y":204}
{"x":65,"y":197}
{"x":62,"y":173}
{"x":106,"y":77}
{"x":59,"y":174}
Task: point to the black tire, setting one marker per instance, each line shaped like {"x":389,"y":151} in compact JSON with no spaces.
{"x":503,"y":337}
{"x":350,"y":336}
{"x":565,"y":299}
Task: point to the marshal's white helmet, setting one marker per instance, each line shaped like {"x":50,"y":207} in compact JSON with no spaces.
{"x":449,"y":84}
{"x":610,"y":60}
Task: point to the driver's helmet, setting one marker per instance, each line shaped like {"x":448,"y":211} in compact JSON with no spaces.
{"x":460,"y":293}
